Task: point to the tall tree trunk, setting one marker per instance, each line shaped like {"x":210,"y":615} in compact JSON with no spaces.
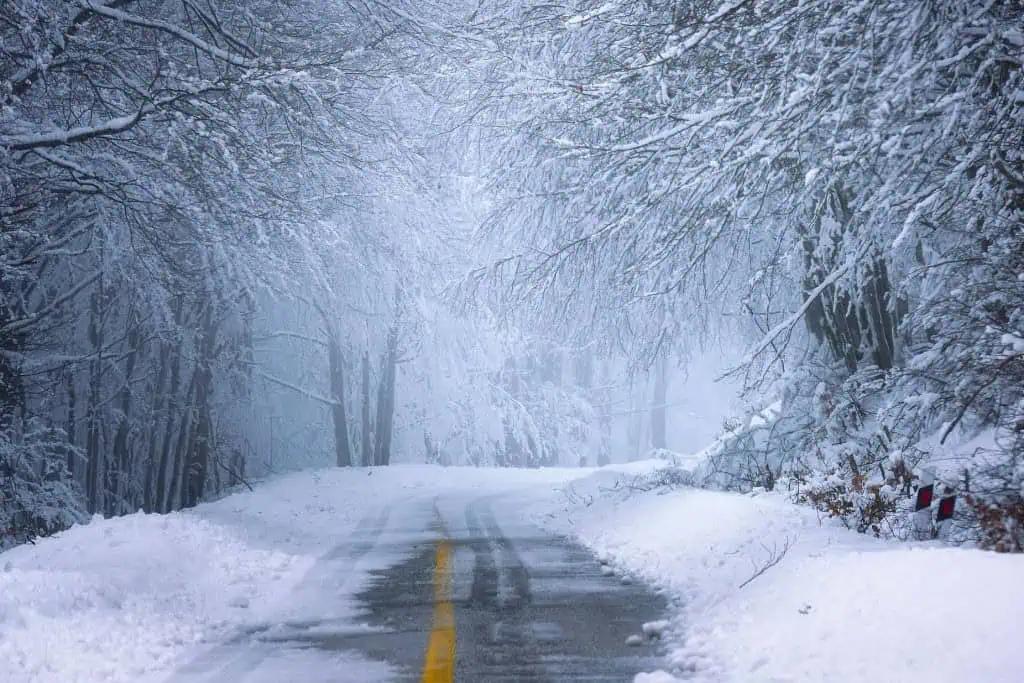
{"x":636,"y":420}
{"x":199,"y":452}
{"x":93,"y":453}
{"x":170,"y":400}
{"x":342,"y":446}
{"x":386,"y":400}
{"x":854,"y":322}
{"x":186,"y":434}
{"x":160,"y":401}
{"x":365,"y":427}
{"x":71,"y":425}
{"x":119,"y":503}
{"x":584,"y":367}
{"x":603,"y":455}
{"x":164,"y":475}
{"x":659,"y":400}
{"x":12,"y":390}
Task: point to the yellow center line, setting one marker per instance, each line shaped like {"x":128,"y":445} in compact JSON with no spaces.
{"x":439,"y":663}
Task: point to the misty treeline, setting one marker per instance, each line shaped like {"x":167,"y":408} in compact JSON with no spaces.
{"x":243,"y":237}
{"x":223,"y":237}
{"x":166,"y":168}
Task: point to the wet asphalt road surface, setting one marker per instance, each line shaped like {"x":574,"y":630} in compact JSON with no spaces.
{"x":527,"y":605}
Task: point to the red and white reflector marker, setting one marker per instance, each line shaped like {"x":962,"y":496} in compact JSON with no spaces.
{"x":944,"y":515}
{"x":925,"y":494}
{"x":923,"y":505}
{"x":947,"y":505}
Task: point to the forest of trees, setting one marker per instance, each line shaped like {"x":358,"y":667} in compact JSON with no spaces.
{"x":237,"y":235}
{"x":839,"y":183}
{"x":166,"y":170}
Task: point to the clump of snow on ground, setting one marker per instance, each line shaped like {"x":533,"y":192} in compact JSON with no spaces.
{"x":817,"y":602}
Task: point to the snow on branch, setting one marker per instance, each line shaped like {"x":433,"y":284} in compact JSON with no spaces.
{"x":797,"y":315}
{"x":178,"y":32}
{"x":118,"y":124}
{"x":21,"y":324}
{"x":294,"y":387}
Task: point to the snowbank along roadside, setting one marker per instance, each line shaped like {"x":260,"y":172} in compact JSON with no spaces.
{"x":764,"y":590}
{"x":137,"y":598}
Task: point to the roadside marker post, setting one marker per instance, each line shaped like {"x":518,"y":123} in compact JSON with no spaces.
{"x":944,"y":515}
{"x":923,"y":505}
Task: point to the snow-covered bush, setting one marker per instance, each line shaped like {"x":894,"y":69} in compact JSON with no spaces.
{"x":997,"y":502}
{"x":38,"y":496}
{"x":853,"y":444}
{"x":968,"y":374}
{"x":824,"y":442}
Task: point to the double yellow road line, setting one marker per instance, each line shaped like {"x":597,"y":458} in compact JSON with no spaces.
{"x":439,"y":663}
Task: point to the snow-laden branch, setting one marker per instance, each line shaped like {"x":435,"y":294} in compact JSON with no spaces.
{"x":23,"y":79}
{"x":291,"y":335}
{"x":114,"y":126}
{"x":22,"y":324}
{"x":58,"y":138}
{"x":294,"y":387}
{"x":195,"y":41}
{"x":798,"y":315}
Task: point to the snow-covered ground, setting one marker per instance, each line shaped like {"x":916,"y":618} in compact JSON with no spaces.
{"x":139,"y":598}
{"x":143,"y":597}
{"x":837,"y":606}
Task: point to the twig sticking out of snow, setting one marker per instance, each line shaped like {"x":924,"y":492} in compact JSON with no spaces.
{"x":775,"y":555}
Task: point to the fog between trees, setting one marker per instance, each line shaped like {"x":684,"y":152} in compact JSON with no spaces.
{"x":238,"y":238}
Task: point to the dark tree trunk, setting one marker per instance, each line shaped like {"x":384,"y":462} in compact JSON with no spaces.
{"x":386,"y":401}
{"x":12,"y":393}
{"x":584,"y":368}
{"x":71,"y":426}
{"x":186,"y":435}
{"x":659,"y":400}
{"x":164,"y":475}
{"x":365,"y":427}
{"x":855,"y":323}
{"x":199,"y":452}
{"x":12,"y":390}
{"x":93,"y":452}
{"x":160,"y":401}
{"x":119,"y":503}
{"x":342,"y":446}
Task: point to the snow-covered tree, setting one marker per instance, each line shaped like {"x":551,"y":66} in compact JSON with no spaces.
{"x":838,"y":182}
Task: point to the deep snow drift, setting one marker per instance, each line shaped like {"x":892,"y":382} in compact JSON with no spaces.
{"x":141,"y":598}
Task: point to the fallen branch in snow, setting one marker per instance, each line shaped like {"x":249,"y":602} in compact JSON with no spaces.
{"x":234,"y":474}
{"x":775,"y":556}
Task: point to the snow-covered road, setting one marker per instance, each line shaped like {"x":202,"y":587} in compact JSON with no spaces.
{"x":323,"y":576}
{"x":517,"y":604}
{"x":374,"y":575}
